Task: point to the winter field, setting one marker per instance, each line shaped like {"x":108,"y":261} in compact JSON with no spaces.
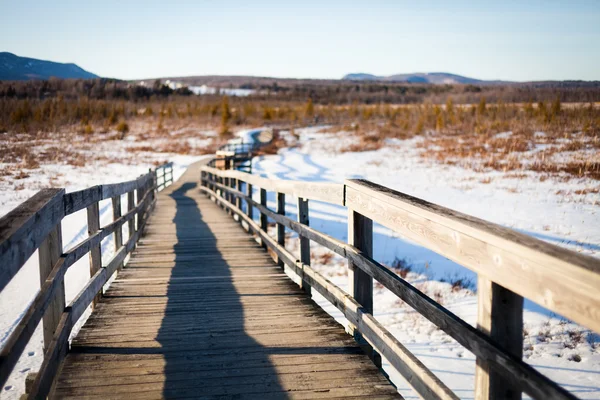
{"x":557,"y":207}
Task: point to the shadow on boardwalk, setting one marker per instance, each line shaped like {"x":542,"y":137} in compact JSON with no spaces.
{"x":202,"y":334}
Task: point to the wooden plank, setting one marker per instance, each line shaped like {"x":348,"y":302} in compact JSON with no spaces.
{"x":263,"y":217}
{"x":249,"y":208}
{"x":22,"y":333}
{"x":49,"y":254}
{"x":118,"y":238}
{"x":81,"y":199}
{"x":500,"y":315}
{"x":93,"y":223}
{"x":52,"y":358}
{"x":24,"y":229}
{"x":118,"y":189}
{"x":327,"y":192}
{"x":304,"y":242}
{"x":558,"y":279}
{"x":131,"y":206}
{"x":360,"y":284}
{"x":280,"y":228}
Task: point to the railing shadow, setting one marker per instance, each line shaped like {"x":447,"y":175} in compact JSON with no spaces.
{"x":205,"y":346}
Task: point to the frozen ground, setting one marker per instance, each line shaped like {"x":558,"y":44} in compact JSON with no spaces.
{"x":549,"y":209}
{"x":103,"y":167}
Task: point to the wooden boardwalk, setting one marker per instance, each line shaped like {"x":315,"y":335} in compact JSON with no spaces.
{"x":202,"y":311}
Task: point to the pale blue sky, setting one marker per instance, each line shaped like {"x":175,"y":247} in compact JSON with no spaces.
{"x":507,"y":40}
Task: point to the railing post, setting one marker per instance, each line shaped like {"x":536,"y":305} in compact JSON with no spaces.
{"x":360,"y":284}
{"x":249,"y":208}
{"x":238,"y":199}
{"x":93,"y":220}
{"x":226,"y":184}
{"x":263,"y":217}
{"x":304,"y":242}
{"x":131,"y":206}
{"x":49,"y":253}
{"x":170,"y":174}
{"x":280,"y":227}
{"x":499,"y":315}
{"x":116,"y":206}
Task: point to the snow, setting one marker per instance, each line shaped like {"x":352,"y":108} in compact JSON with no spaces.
{"x":548,"y":209}
{"x":200,"y":90}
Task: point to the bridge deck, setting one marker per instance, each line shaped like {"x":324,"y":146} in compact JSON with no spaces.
{"x":201,"y":310}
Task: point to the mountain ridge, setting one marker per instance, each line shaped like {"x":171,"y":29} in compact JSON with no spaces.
{"x":438,"y":78}
{"x":17,"y":68}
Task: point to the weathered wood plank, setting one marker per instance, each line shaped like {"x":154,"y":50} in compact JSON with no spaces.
{"x":327,"y":192}
{"x":280,"y":228}
{"x":49,"y":253}
{"x":303,"y":219}
{"x":118,"y":234}
{"x":23,"y":230}
{"x":81,"y":199}
{"x":558,"y":279}
{"x":93,"y":223}
{"x":500,"y":315}
{"x":360,"y":284}
{"x":52,"y":358}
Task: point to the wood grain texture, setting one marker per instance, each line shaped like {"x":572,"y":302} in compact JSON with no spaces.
{"x":118,"y":234}
{"x":280,"y":228}
{"x":201,"y":308}
{"x":303,"y":218}
{"x":327,"y":192}
{"x":49,"y":253}
{"x":558,"y":279}
{"x":93,"y":223}
{"x":23,"y":230}
{"x":500,"y":315}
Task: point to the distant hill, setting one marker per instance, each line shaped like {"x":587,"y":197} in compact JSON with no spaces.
{"x":15,"y":68}
{"x":420,"y":77}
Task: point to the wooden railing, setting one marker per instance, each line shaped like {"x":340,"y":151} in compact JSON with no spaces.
{"x":164,"y":176}
{"x":36,"y":225}
{"x":509,"y":266}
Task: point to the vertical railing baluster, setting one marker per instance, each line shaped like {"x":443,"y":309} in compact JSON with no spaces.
{"x":249,"y":208}
{"x":118,"y":235}
{"x":360,"y":284}
{"x":93,"y":221}
{"x":304,"y":242}
{"x":131,"y":206}
{"x":263,"y":217}
{"x":500,"y":315}
{"x":49,"y":252}
{"x":280,"y":227}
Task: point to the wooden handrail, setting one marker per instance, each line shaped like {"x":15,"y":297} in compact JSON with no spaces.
{"x":30,"y":226}
{"x":492,"y":251}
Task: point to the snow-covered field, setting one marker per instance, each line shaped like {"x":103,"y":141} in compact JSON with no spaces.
{"x":549,"y":209}
{"x":562,"y":211}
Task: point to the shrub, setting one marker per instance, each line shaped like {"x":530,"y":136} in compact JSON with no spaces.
{"x":122,"y":128}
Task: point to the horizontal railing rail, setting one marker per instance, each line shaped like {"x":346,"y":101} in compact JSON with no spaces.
{"x":36,"y":225}
{"x":509,"y":265}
